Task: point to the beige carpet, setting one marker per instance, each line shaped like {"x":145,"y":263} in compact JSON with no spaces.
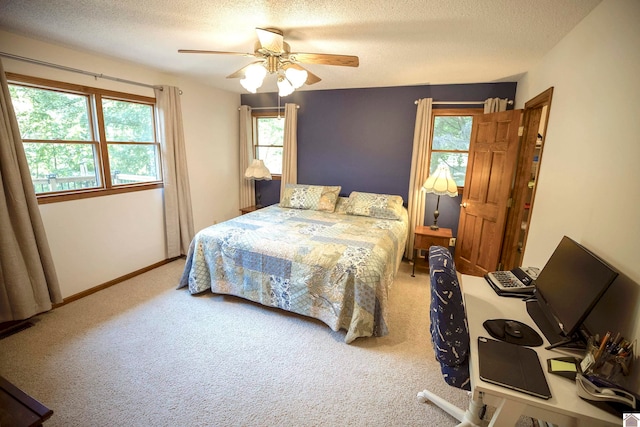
{"x":142,"y":353}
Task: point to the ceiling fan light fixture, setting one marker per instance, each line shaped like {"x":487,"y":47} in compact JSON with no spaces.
{"x":248,"y":85}
{"x":297,"y":77}
{"x":284,"y":86}
{"x":253,"y":77}
{"x":274,"y":56}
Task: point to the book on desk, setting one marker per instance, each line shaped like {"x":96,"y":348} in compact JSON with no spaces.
{"x":512,"y":366}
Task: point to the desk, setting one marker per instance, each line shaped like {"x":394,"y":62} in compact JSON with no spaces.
{"x":564,"y":408}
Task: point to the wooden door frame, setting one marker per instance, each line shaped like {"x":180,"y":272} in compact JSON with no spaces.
{"x":511,"y":255}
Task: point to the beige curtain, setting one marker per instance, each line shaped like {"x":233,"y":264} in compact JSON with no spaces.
{"x":178,"y":216}
{"x":290,"y":147}
{"x":494,"y":105}
{"x":28,"y":279}
{"x":419,"y":172}
{"x":247,"y":186}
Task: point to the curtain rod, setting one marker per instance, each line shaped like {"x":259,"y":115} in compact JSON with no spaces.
{"x":510,"y":102}
{"x":75,"y":70}
{"x":268,"y":108}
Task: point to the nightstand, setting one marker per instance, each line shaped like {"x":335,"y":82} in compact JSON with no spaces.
{"x":425,"y":237}
{"x":249,"y":209}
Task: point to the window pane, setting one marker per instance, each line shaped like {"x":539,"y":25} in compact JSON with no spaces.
{"x":452,"y":132}
{"x":272,"y":157}
{"x":457,"y":163}
{"x":127,"y":121}
{"x":59,"y":167}
{"x":133,"y":163}
{"x":270,"y":131}
{"x":49,"y":115}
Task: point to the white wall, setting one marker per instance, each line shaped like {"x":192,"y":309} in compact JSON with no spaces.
{"x":100,"y":239}
{"x":589,"y":185}
{"x":211,"y":130}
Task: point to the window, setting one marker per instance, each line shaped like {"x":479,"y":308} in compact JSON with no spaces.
{"x":450,"y":141}
{"x":83,"y":142}
{"x":268,"y":139}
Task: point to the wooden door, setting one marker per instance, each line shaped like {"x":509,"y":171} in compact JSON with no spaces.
{"x":493,"y":153}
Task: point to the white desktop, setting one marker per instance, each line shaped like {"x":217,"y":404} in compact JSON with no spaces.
{"x":564,"y":408}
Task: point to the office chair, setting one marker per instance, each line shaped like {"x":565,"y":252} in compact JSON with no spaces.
{"x":450,"y":336}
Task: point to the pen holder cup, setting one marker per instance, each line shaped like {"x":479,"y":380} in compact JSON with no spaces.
{"x":606,"y":365}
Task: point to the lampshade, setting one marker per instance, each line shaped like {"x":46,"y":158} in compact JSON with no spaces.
{"x":284,"y":86}
{"x":290,"y":76}
{"x":297,"y":77}
{"x":258,"y":171}
{"x":441,"y":182}
{"x":253,"y":77}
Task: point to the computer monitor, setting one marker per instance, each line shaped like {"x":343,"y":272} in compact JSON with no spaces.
{"x":569,"y":286}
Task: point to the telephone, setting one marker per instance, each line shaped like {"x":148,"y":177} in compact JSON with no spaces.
{"x":516,"y":282}
{"x":600,"y":390}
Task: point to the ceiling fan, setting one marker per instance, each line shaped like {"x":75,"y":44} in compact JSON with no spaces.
{"x":275,"y":57}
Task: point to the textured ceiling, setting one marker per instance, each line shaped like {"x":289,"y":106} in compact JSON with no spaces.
{"x":399,"y":43}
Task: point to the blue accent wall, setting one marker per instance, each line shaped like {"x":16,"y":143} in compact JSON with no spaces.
{"x":362,"y":139}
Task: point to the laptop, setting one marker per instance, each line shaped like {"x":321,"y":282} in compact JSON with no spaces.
{"x":512,"y":366}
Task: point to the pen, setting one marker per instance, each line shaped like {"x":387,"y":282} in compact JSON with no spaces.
{"x":624,"y":348}
{"x":617,"y":339}
{"x":603,"y":344}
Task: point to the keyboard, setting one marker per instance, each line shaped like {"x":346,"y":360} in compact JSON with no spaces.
{"x":515,"y":281}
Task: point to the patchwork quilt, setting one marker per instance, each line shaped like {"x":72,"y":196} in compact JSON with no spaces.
{"x":331,"y":266}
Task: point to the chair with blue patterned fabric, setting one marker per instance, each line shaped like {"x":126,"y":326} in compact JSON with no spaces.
{"x":450,"y":335}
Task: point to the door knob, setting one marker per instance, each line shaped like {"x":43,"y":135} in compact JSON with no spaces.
{"x":464,"y":205}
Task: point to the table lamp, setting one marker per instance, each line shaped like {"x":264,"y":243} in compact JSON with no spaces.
{"x":257,"y":171}
{"x":442,"y":184}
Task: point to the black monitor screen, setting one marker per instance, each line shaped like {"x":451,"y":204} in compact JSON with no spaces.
{"x":571,"y":283}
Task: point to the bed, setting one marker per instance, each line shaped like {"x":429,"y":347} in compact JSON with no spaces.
{"x":317,"y":254}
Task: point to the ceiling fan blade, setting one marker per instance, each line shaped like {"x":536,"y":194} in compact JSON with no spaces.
{"x":241,"y":72}
{"x":325,"y":59}
{"x":312,"y":78}
{"x":217,"y":52}
{"x":271,"y":39}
